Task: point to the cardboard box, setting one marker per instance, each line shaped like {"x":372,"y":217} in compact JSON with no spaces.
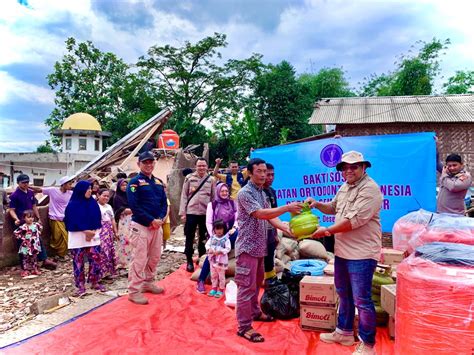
{"x":391,"y":256}
{"x":318,"y":291}
{"x":388,"y":297}
{"x":317,"y":318}
{"x":391,"y":327}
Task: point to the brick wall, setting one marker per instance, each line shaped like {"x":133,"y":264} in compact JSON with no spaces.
{"x":453,"y":137}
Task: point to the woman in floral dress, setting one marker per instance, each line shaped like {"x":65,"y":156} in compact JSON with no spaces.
{"x":107,"y":236}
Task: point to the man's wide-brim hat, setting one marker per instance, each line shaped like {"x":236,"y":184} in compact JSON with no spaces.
{"x":352,"y":157}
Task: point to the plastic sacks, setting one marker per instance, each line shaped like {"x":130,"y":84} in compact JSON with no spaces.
{"x":447,"y":253}
{"x":409,"y":227}
{"x":313,"y":249}
{"x":422,"y":227}
{"x":435,"y":308}
{"x":231,"y":294}
{"x":448,"y":228}
{"x":279,"y":302}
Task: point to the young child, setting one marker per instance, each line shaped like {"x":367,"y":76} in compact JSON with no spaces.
{"x":107,"y":235}
{"x":218,"y":246}
{"x":29,"y":234}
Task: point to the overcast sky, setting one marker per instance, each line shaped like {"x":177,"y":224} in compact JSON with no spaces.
{"x":362,"y":37}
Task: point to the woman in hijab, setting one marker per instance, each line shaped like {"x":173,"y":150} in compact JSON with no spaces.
{"x":123,"y":217}
{"x":82,"y":218}
{"x":95,"y":187}
{"x":225,"y":209}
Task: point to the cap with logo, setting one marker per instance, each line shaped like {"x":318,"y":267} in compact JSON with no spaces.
{"x":146,"y":156}
{"x":22,"y":178}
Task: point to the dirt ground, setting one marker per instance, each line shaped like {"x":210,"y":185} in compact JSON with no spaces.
{"x":20,"y":296}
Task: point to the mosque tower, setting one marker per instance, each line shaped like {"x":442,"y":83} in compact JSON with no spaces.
{"x":81,"y":133}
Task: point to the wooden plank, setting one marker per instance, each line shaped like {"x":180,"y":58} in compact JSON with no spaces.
{"x":139,"y":146}
{"x":117,"y":148}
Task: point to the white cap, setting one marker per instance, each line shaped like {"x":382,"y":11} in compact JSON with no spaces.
{"x":64,"y":180}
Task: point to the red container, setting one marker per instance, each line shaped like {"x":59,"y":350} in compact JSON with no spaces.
{"x":434,"y":308}
{"x":168,"y":139}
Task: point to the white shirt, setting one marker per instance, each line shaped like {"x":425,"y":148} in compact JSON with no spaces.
{"x":107,"y":212}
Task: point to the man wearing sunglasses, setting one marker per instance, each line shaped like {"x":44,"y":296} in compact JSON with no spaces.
{"x":358,"y":245}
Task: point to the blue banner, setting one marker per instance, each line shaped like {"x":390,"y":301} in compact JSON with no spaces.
{"x":403,"y":165}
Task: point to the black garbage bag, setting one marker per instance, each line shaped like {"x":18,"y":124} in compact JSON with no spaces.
{"x":293,"y":282}
{"x":279,"y":302}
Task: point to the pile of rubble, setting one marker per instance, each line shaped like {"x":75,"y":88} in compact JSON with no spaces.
{"x":18,"y":295}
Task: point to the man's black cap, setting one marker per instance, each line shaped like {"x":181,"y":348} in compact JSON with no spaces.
{"x":146,"y":156}
{"x":22,"y":178}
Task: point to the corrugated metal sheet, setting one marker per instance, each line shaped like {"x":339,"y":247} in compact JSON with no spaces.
{"x":389,"y":109}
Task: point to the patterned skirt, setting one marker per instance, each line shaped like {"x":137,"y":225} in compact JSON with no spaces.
{"x":108,"y":263}
{"x":123,"y":248}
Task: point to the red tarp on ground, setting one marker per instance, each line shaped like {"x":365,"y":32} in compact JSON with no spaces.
{"x":180,"y":321}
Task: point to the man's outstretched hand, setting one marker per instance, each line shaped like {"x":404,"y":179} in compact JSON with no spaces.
{"x":294,"y":207}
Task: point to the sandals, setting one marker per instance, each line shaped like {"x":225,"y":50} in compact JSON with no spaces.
{"x":80,"y":292}
{"x":264,"y":318}
{"x":99,"y":287}
{"x":251,"y":335}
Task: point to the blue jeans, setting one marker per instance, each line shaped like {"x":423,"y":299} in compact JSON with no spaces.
{"x":353,"y":280}
{"x":206,"y":267}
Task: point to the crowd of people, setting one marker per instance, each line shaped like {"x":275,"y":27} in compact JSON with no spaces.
{"x":126,"y":225}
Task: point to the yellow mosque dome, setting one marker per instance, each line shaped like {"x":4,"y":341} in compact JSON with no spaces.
{"x":82,"y":121}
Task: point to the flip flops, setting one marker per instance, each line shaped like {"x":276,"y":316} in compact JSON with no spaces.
{"x":251,"y":335}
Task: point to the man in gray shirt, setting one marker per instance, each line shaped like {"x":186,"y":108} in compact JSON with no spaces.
{"x":453,"y":185}
{"x":198,"y":191}
{"x":251,"y":246}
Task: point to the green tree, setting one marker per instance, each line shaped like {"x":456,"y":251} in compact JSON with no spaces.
{"x":233,"y":139}
{"x":283,"y":105}
{"x":414,"y":74}
{"x":377,"y":85}
{"x":327,"y":82}
{"x":192,"y":81}
{"x":99,"y":83}
{"x":461,"y":83}
{"x":45,"y":148}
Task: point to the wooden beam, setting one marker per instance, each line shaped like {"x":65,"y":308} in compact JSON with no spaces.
{"x":151,"y":132}
{"x":117,"y":148}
